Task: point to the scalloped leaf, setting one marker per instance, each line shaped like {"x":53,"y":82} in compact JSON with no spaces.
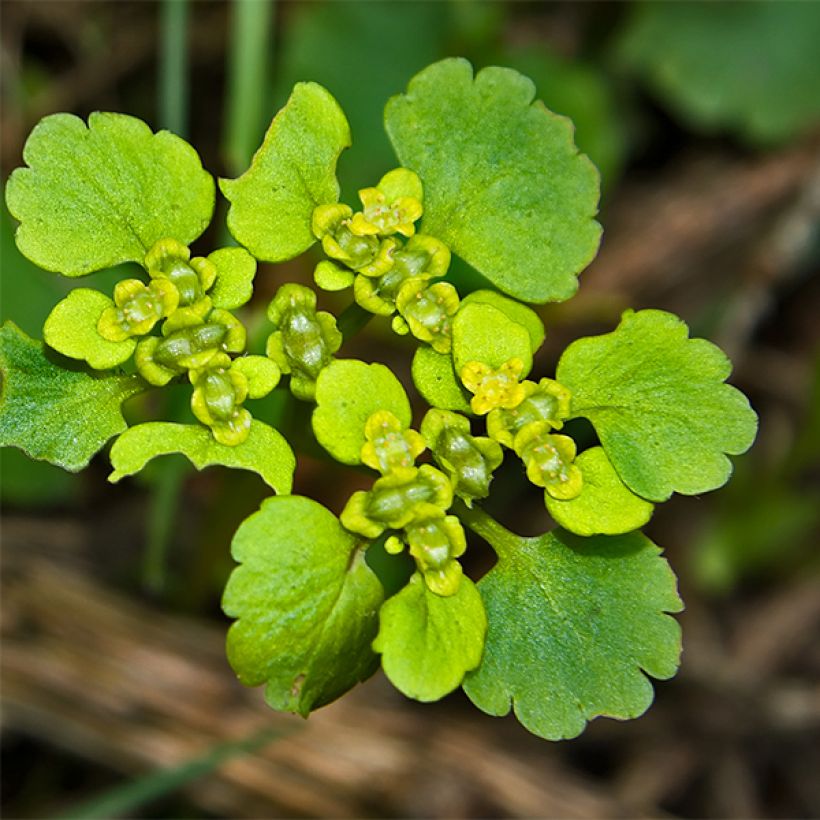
{"x":574,"y":623}
{"x":504,"y":186}
{"x":513,"y":310}
{"x":750,"y":67}
{"x":294,"y":171}
{"x":71,"y":329}
{"x":659,"y":405}
{"x":54,"y":414}
{"x":306,"y":602}
{"x":436,"y":380}
{"x":264,"y":452}
{"x":348,"y":392}
{"x":234,"y":279}
{"x":427,"y":642}
{"x":482,"y":333}
{"x":95,"y":196}
{"x":606,"y":506}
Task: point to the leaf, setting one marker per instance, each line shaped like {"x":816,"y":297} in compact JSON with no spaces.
{"x":482,"y":333}
{"x":584,"y":92}
{"x":294,"y":171}
{"x":264,"y":452}
{"x":428,"y":642}
{"x":606,"y":506}
{"x":437,"y":382}
{"x":658,"y":403}
{"x":573,"y":625}
{"x":504,"y":185}
{"x":324,"y":36}
{"x":71,"y":329}
{"x":348,"y":392}
{"x":234,"y":280}
{"x":748,"y":67}
{"x":513,"y":310}
{"x":307,"y":605}
{"x":54,"y":414}
{"x":95,"y":196}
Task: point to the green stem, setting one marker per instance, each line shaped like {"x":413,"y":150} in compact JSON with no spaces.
{"x":483,"y":524}
{"x":173,"y":86}
{"x":128,"y":798}
{"x":352,"y":319}
{"x":164,"y":502}
{"x":248,"y":92}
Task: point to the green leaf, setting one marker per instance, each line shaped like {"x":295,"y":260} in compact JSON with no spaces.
{"x":348,"y":392}
{"x":482,"y":333}
{"x":504,"y":185}
{"x":234,"y":279}
{"x":54,"y":414}
{"x":307,"y":605}
{"x":264,"y":452}
{"x":437,"y":382}
{"x":71,"y":329}
{"x":748,"y":67}
{"x":513,"y":310}
{"x":324,"y":36}
{"x":428,"y":642}
{"x":573,"y":625}
{"x":95,"y":196}
{"x":606,"y":506}
{"x":294,"y":171}
{"x":584,"y":92}
{"x":658,"y":403}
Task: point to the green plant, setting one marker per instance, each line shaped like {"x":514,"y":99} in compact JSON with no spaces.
{"x":565,"y":625}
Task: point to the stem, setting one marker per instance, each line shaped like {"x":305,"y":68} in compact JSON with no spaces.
{"x":248,"y":56}
{"x":164,"y":503}
{"x":173,"y":87}
{"x":352,"y":319}
{"x":483,"y":524}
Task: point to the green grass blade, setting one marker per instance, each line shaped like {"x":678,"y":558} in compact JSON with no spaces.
{"x":249,"y":89}
{"x":173,"y":85}
{"x":126,"y":799}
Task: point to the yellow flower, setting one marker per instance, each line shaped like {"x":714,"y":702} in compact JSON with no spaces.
{"x":494,"y":388}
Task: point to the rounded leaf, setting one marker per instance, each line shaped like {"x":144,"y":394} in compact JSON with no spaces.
{"x":348,"y":393}
{"x":71,"y":329}
{"x":428,"y":642}
{"x":235,"y":269}
{"x":293,"y":172}
{"x":94,"y":196}
{"x":306,"y":603}
{"x":605,"y":506}
{"x":482,"y":333}
{"x":437,"y":382}
{"x":264,"y":451}
{"x":574,"y":623}
{"x":54,"y":414}
{"x":512,"y":309}
{"x":659,"y":405}
{"x":504,"y":185}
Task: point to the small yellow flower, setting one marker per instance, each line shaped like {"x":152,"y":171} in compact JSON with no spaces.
{"x":384,"y":218}
{"x":389,"y":446}
{"x":549,"y":459}
{"x":494,"y":388}
{"x":138,"y":307}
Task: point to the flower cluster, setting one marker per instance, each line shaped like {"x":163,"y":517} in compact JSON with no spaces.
{"x":196,"y":339}
{"x":522,"y":416}
{"x":390,"y":267}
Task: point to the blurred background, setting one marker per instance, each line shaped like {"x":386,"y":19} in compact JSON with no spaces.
{"x":704,"y":120}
